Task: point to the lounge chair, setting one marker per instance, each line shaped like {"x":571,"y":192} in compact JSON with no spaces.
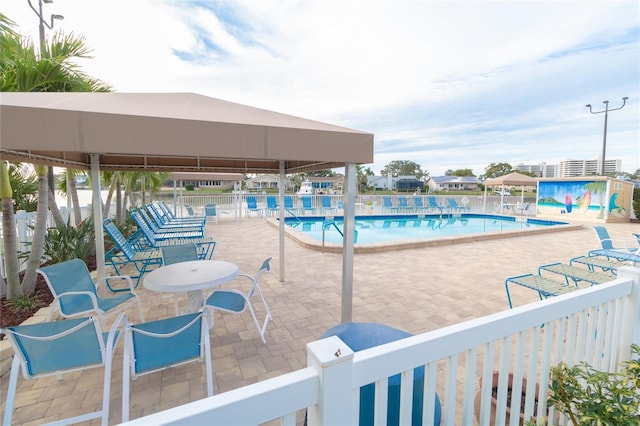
{"x":252,"y":206}
{"x":124,"y":253}
{"x":522,"y":208}
{"x":162,"y":218}
{"x":545,"y":287}
{"x":387,"y":204}
{"x":272,"y":205}
{"x":236,"y":302}
{"x":307,"y":204}
{"x":326,"y":205}
{"x":75,"y":294}
{"x":191,"y":229}
{"x":433,"y":204}
{"x":418,"y":204}
{"x":59,"y":347}
{"x":289,"y":206}
{"x":210,"y":213}
{"x":454,"y":206}
{"x":576,"y":274}
{"x":157,"y":345}
{"x":403,"y":204}
{"x":138,"y":217}
{"x":608,"y":243}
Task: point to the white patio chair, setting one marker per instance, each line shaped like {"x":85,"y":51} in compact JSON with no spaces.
{"x":236,"y":302}
{"x":156,"y":345}
{"x":75,"y":294}
{"x":60,"y":347}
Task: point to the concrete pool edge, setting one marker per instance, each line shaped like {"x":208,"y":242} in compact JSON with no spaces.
{"x":303,"y":240}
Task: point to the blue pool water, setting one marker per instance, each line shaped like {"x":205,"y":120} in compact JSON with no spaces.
{"x":376,"y":229}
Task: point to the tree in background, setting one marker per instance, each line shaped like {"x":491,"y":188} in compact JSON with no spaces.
{"x":459,"y":172}
{"x":363,"y":174}
{"x":403,"y":168}
{"x":495,"y":170}
{"x":24,"y":186}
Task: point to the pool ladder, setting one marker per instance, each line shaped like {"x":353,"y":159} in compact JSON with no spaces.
{"x":328,"y":223}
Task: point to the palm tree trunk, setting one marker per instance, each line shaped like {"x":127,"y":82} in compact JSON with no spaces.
{"x":55,"y":212}
{"x":112,"y":188}
{"x":39,"y":233}
{"x":9,"y":236}
{"x":73,"y":191}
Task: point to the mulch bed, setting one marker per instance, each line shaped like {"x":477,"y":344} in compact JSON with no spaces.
{"x":43,"y":297}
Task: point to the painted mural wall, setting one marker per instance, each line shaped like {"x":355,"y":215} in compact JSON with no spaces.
{"x":585,"y":199}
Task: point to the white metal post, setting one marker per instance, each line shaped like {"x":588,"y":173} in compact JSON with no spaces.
{"x":348,"y":242}
{"x":97,"y":214}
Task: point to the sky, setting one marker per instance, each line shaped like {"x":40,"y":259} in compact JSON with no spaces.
{"x":446,"y":84}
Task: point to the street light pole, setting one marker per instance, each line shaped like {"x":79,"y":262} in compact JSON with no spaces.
{"x":41,"y":20}
{"x":41,"y":26}
{"x":606,"y":115}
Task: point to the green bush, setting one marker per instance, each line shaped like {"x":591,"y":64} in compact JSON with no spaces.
{"x":636,"y":202}
{"x":67,"y":242}
{"x":189,"y":187}
{"x":591,"y":397}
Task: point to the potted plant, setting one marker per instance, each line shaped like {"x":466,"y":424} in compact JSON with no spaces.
{"x":494,"y":400}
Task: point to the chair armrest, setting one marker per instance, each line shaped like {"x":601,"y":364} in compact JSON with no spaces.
{"x":127,"y":278}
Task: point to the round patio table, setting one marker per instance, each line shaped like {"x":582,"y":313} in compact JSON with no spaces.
{"x":191,"y":277}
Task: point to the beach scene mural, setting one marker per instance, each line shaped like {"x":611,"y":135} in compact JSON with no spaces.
{"x":584,"y":199}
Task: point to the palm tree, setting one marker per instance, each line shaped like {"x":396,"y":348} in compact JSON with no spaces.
{"x":22,"y":69}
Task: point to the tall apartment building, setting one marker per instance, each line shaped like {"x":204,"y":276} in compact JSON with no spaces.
{"x":570,"y":168}
{"x":543,"y":170}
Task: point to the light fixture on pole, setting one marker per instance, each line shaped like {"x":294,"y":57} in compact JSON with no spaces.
{"x":41,"y":26}
{"x":606,"y":111}
{"x":43,"y":23}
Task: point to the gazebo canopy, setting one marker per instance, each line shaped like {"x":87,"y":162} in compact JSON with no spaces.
{"x":171,"y":132}
{"x":514,"y":179}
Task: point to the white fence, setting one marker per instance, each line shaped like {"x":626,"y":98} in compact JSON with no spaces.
{"x":596,"y":325}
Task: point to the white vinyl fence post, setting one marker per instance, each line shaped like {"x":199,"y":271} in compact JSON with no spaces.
{"x":630,"y":327}
{"x":333,"y":360}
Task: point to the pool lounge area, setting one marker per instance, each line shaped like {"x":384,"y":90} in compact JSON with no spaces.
{"x":432,"y":288}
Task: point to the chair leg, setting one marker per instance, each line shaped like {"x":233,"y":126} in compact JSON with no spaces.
{"x":11,"y":391}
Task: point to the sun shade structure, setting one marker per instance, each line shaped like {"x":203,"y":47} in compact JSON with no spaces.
{"x":170,"y":132}
{"x":511,"y":179}
{"x":179,"y":132}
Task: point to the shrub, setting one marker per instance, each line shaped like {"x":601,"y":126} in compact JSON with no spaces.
{"x":636,"y":202}
{"x":67,"y":242}
{"x":591,"y":397}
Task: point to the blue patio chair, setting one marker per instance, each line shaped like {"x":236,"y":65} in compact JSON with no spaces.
{"x":387,"y":204}
{"x":454,"y":206}
{"x":210,"y":212}
{"x":289,"y":207}
{"x":418,"y":204}
{"x":326,"y":205}
{"x":403,"y":204}
{"x":272,"y":205}
{"x":179,"y":253}
{"x":59,"y":347}
{"x":307,"y":204}
{"x":124,"y":253}
{"x":433,"y":204}
{"x":75,"y":294}
{"x":236,"y":302}
{"x":608,"y":243}
{"x":252,"y":206}
{"x":154,"y":346}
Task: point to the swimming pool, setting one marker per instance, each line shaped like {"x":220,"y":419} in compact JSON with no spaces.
{"x":378,"y":233}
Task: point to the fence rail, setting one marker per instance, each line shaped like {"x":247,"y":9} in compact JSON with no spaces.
{"x":596,"y":325}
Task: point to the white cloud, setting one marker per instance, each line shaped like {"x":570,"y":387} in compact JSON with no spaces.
{"x":448,"y":84}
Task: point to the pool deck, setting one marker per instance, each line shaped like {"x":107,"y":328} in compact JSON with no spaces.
{"x":415,"y":290}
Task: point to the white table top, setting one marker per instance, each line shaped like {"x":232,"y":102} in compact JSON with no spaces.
{"x":190,"y":276}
